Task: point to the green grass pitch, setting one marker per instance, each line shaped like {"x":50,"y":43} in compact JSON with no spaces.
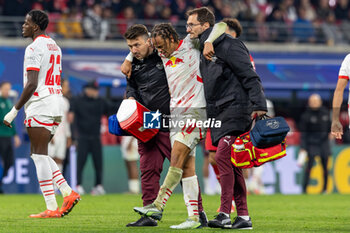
{"x":110,"y":213}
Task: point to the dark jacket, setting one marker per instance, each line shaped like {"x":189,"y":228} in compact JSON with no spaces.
{"x":148,"y":84}
{"x":87,"y":114}
{"x":232,"y":87}
{"x":315,"y":126}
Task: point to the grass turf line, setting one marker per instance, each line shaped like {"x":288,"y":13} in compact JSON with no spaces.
{"x":110,"y":213}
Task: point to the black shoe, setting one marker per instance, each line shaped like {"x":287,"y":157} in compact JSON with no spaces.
{"x":240,"y":223}
{"x":220,"y":221}
{"x":144,"y":221}
{"x":203,"y":219}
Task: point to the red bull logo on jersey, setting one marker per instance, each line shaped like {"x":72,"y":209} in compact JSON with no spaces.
{"x":173,"y":62}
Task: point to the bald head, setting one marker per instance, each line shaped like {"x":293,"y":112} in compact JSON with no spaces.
{"x":315,"y":101}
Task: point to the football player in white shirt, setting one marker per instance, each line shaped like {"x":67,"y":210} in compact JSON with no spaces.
{"x":181,"y":60}
{"x":62,"y":139}
{"x":42,"y":98}
{"x":343,"y":79}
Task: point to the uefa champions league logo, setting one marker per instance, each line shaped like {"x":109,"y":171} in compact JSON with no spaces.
{"x":151,"y":120}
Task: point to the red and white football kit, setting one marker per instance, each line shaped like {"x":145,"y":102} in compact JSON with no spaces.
{"x":186,"y":89}
{"x":44,"y":108}
{"x":344,"y":73}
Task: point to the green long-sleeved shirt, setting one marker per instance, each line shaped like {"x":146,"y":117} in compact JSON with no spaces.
{"x":5,"y":107}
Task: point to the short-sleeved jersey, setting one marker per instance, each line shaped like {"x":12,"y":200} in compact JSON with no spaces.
{"x":344,"y":71}
{"x":44,"y":56}
{"x":184,"y":77}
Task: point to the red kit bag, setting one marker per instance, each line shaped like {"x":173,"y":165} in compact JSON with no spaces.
{"x":130,"y":116}
{"x":241,"y":152}
{"x":263,"y":155}
{"x":245,"y":155}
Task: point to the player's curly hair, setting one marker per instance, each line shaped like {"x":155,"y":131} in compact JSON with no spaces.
{"x":233,"y":25}
{"x":166,"y":31}
{"x":40,"y":18}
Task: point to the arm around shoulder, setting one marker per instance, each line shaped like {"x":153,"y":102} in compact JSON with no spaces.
{"x":126,"y":67}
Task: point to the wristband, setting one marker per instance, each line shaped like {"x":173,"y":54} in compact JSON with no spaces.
{"x":11,"y":115}
{"x":130,"y":57}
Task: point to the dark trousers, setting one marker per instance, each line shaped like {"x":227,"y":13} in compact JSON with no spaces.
{"x":152,"y":156}
{"x":231,"y":179}
{"x":86,"y":145}
{"x":324,"y":162}
{"x":6,"y":154}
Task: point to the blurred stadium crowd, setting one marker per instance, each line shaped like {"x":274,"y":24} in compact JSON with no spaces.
{"x":299,"y":21}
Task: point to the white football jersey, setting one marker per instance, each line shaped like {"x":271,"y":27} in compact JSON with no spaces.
{"x":344,"y":71}
{"x":184,"y":77}
{"x":45,"y":56}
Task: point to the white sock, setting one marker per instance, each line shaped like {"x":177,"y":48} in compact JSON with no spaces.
{"x":134,"y":186}
{"x":58,"y":179}
{"x":172,"y":179}
{"x":44,"y":174}
{"x":191,"y":190}
{"x":245,"y":217}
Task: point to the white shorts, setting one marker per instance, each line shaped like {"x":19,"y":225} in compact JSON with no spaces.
{"x":48,"y":122}
{"x":51,"y":105}
{"x":129,"y":148}
{"x":57,"y":149}
{"x":189,"y":135}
